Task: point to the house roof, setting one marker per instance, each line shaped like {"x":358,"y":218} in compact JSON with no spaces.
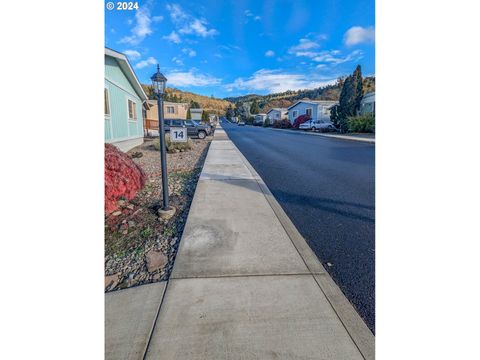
{"x":277,"y":109}
{"x":127,"y":70}
{"x":314,"y":102}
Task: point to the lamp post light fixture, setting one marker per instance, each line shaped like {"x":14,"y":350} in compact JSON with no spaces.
{"x":159,"y":82}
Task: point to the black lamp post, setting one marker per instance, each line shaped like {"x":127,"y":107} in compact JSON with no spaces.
{"x":159,"y":81}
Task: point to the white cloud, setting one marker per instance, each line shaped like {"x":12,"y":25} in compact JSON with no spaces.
{"x":357,"y":35}
{"x":132,"y":54}
{"x":142,"y":28}
{"x":144,"y":63}
{"x":249,"y":14}
{"x":276,"y":81}
{"x":189,"y":52}
{"x":307,"y":48}
{"x":191,"y":78}
{"x":333,"y":57}
{"x":198,"y":27}
{"x":173,"y":37}
{"x":176,"y":13}
{"x":269,"y":53}
{"x":230,"y":48}
{"x":303,"y":45}
{"x":177,"y":61}
{"x":188,"y":24}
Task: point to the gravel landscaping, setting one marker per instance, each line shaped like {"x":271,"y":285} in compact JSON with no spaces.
{"x":139,"y":246}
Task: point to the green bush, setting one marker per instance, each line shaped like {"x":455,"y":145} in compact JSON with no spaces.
{"x":250,"y":120}
{"x":361,"y":124}
{"x":266,"y":123}
{"x":173,"y":146}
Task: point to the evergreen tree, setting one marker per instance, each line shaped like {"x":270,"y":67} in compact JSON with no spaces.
{"x":254,"y":109}
{"x":335,"y":115}
{"x":189,"y":114}
{"x":194,"y":104}
{"x":350,"y":97}
{"x":358,"y":81}
{"x":229,"y":113}
{"x":205,"y":118}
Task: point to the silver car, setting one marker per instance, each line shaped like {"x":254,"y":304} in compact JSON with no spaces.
{"x":314,"y":125}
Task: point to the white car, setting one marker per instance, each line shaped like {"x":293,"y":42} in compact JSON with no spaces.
{"x":322,"y":125}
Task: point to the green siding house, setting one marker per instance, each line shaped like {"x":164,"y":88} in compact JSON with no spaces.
{"x":124,"y":98}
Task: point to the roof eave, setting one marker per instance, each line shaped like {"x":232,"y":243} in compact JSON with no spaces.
{"x":128,"y":71}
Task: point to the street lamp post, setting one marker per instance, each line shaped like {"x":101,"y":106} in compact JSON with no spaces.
{"x":159,"y":82}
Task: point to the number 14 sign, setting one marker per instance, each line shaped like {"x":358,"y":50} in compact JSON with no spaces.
{"x":178,"y":134}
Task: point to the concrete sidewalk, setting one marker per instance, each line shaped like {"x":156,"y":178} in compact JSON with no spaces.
{"x":245,"y":284}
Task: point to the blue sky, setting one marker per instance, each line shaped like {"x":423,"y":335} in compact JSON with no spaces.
{"x":230,"y":48}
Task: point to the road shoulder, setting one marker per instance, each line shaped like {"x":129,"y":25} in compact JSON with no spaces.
{"x":332,"y":136}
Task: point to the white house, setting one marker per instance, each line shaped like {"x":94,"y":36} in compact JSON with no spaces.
{"x":367,"y":105}
{"x":196,"y":114}
{"x":277,"y":114}
{"x":317,"y":109}
{"x":260,"y":118}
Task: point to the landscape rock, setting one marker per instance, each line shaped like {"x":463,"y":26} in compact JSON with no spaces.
{"x":111,"y":281}
{"x":155,"y":260}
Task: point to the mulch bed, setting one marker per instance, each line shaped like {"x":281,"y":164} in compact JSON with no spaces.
{"x":139,"y":246}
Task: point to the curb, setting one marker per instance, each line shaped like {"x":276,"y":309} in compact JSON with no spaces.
{"x":353,"y":323}
{"x":343,"y":137}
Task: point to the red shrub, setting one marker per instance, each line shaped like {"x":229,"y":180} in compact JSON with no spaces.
{"x":300,"y":120}
{"x":123,"y":178}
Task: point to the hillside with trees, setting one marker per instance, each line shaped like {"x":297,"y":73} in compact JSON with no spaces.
{"x":208,"y":103}
{"x":287,"y":98}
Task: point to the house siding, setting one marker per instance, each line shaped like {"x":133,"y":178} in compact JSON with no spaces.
{"x":118,"y":128}
{"x":302,"y":110}
{"x":317,"y":111}
{"x":275,"y":115}
{"x":196,"y":114}
{"x":367,"y":105}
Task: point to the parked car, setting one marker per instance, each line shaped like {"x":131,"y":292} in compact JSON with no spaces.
{"x":321,"y":125}
{"x":193,"y":128}
{"x":241,"y":123}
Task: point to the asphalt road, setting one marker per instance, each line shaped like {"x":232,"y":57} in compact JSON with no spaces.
{"x":327,"y":188}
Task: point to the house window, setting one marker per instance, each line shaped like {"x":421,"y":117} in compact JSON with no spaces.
{"x":170,"y":110}
{"x":308,"y":112}
{"x":132,"y":110}
{"x":295,"y":114}
{"x":107,"y":102}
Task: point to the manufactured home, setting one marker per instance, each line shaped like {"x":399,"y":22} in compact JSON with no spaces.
{"x":124,"y":99}
{"x":171,"y":110}
{"x":277,"y":114}
{"x":316,"y":109}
